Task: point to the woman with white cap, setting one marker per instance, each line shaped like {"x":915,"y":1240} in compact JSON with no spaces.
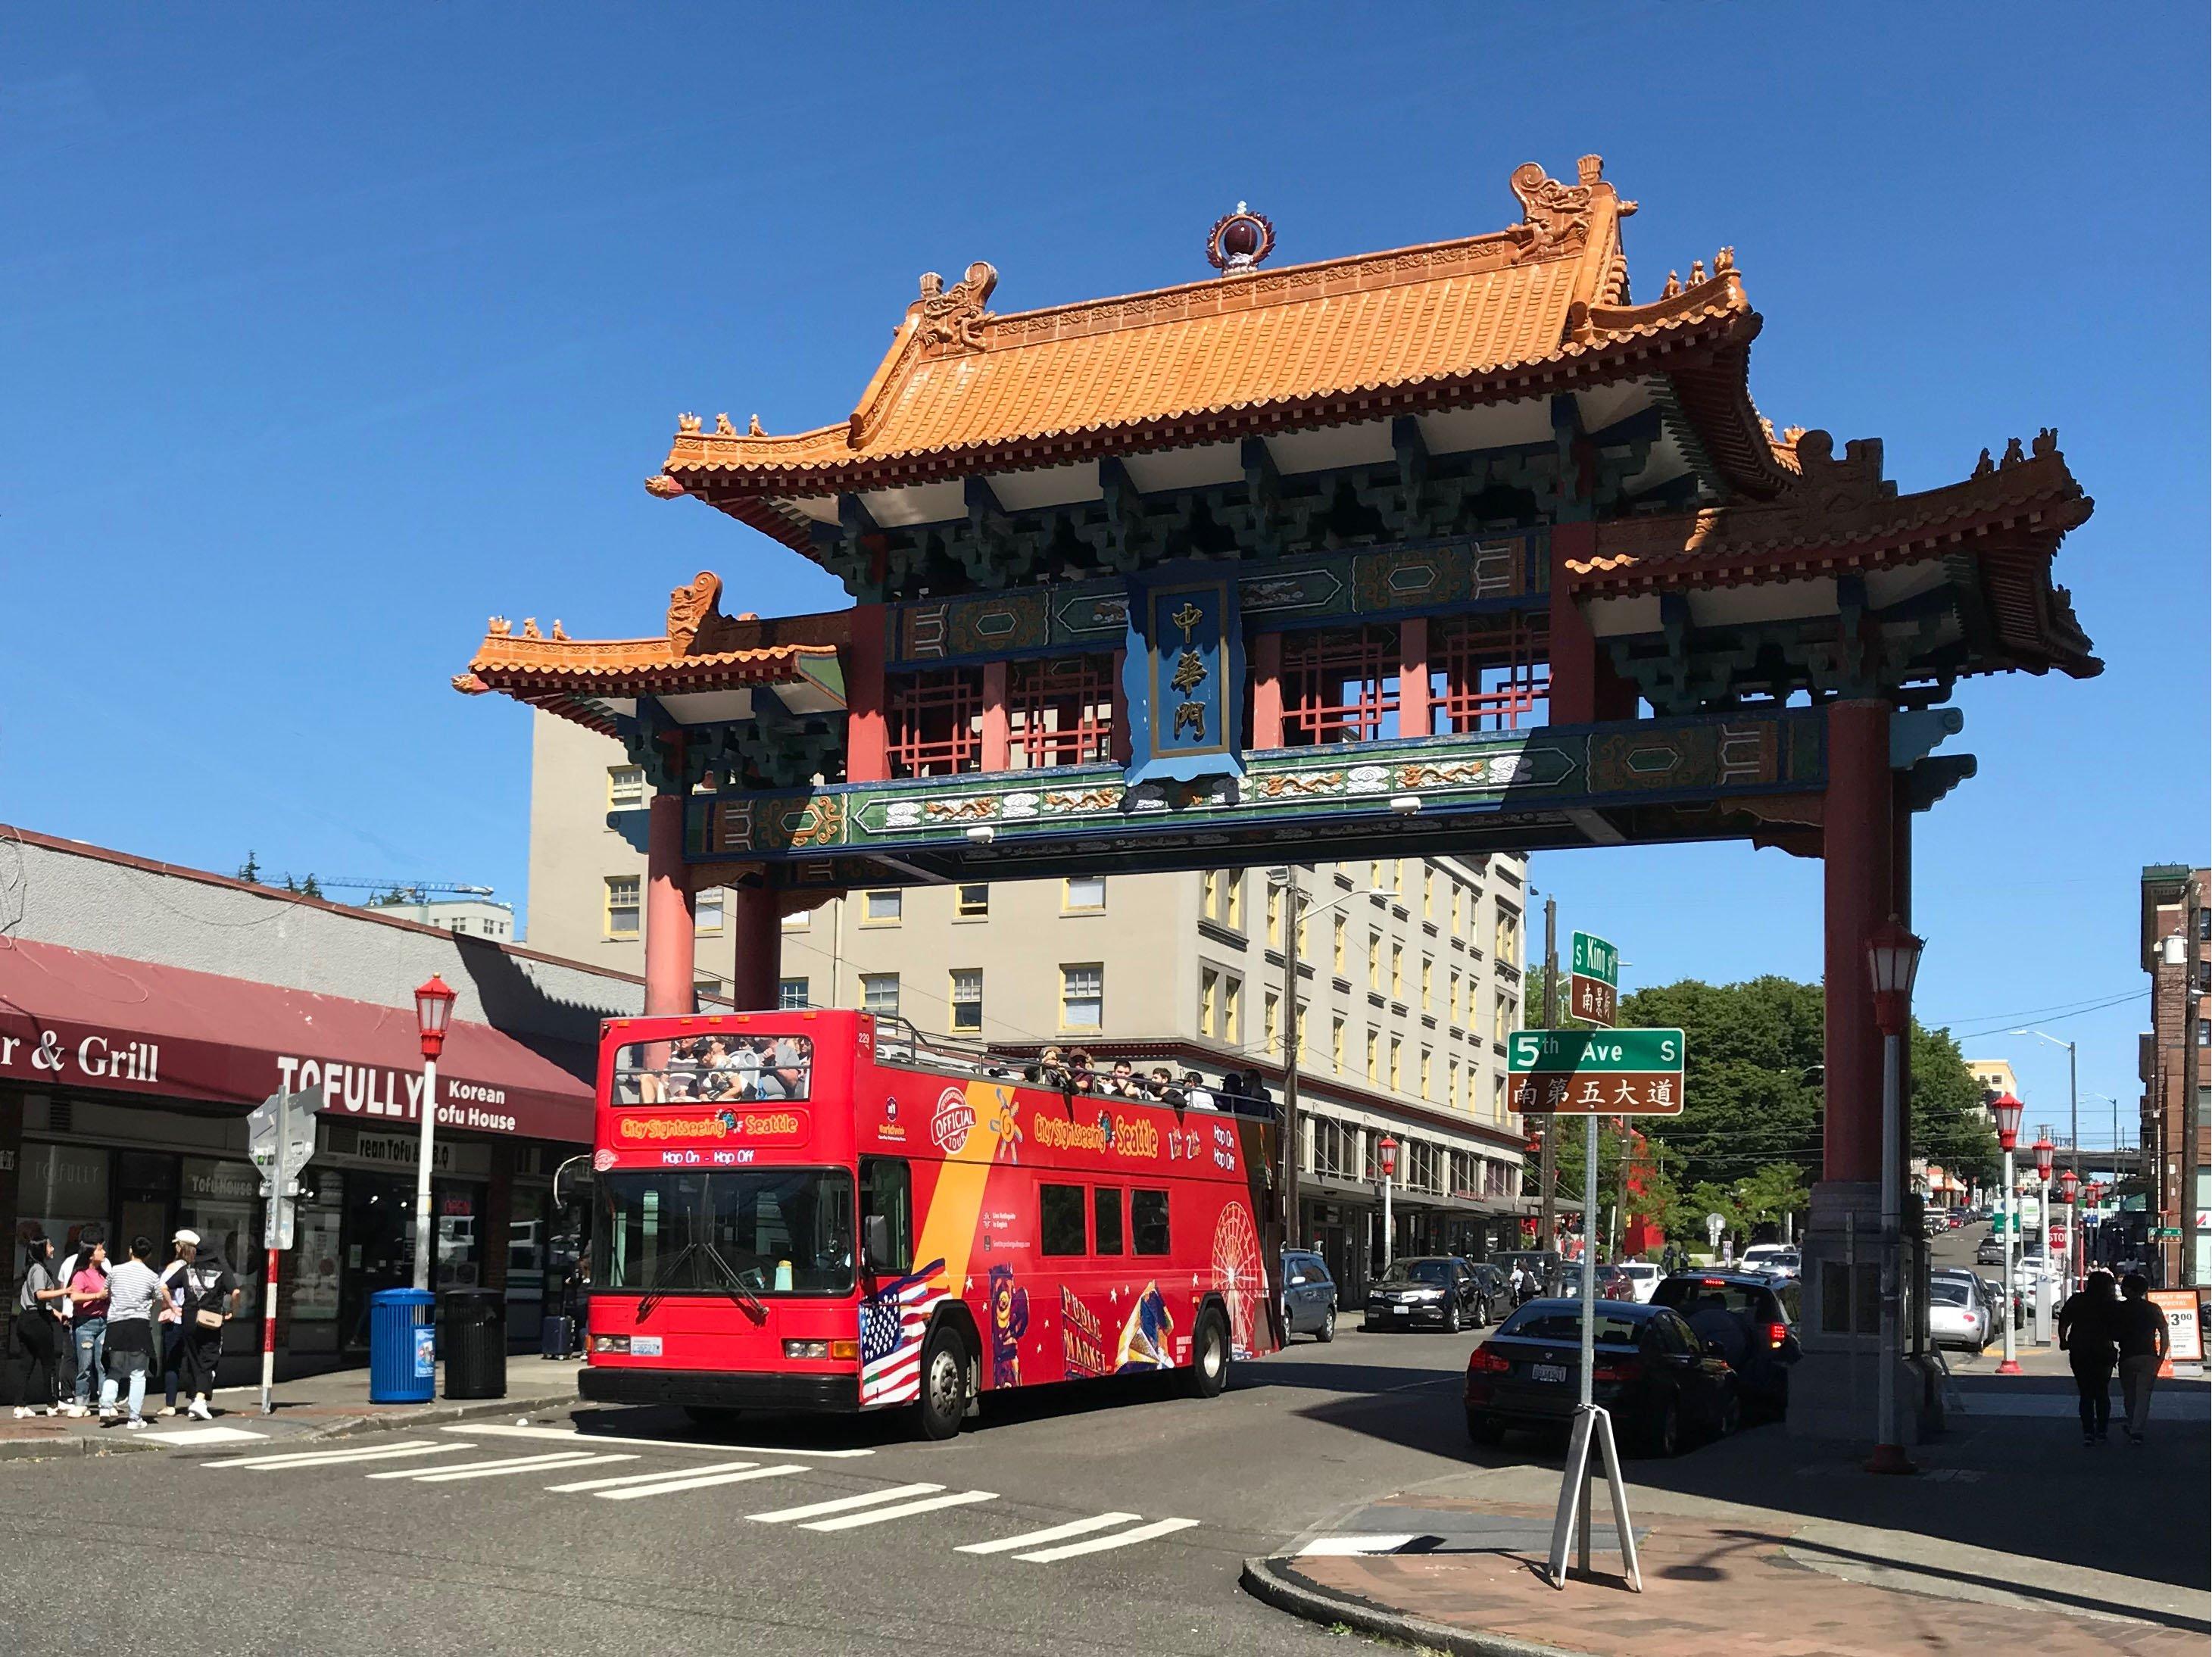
{"x":203,"y":1295}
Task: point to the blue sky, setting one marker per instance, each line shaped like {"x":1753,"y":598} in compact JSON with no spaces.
{"x":327,"y":334}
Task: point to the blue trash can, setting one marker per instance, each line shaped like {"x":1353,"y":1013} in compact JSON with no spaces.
{"x":403,"y":1349}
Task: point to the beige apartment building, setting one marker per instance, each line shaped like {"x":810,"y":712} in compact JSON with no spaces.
{"x":1408,"y":981}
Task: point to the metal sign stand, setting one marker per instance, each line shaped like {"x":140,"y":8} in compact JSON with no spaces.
{"x":282,"y":1119}
{"x":1593,"y":1425}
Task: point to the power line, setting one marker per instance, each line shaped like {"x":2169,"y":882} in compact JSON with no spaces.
{"x":2007,"y":1027}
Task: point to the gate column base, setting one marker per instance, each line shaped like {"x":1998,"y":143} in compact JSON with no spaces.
{"x":1833,"y":1389}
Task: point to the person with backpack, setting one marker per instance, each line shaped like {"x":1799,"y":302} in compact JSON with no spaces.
{"x":87,"y":1281}
{"x":206,"y":1294}
{"x":2140,"y":1332}
{"x":132,"y":1293}
{"x":39,"y":1330}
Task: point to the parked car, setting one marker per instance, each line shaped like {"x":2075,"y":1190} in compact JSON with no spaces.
{"x":1309,"y":1296}
{"x":1642,"y":1278}
{"x":1613,"y":1283}
{"x":1773,"y":1259}
{"x":1752,"y":1316}
{"x":1434,"y":1291}
{"x":1991,"y":1251}
{"x":1542,"y":1265}
{"x":1991,"y":1294}
{"x":1957,"y":1317}
{"x":1490,"y":1299}
{"x":1660,"y":1383}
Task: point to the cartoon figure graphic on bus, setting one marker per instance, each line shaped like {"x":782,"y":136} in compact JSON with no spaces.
{"x":1146,"y":1335}
{"x":1010,"y":1322}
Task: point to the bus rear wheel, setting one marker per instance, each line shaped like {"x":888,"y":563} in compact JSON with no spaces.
{"x":944,"y":1398}
{"x":1209,"y":1354}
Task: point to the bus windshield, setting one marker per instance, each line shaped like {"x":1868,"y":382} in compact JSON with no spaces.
{"x":717,"y":1068}
{"x":761,"y":1230}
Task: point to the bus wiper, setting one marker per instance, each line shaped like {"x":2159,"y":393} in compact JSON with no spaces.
{"x":658,"y":1291}
{"x":734,"y":1286}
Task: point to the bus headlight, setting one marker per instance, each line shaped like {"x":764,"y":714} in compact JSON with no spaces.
{"x":806,"y":1348}
{"x":611,"y":1343}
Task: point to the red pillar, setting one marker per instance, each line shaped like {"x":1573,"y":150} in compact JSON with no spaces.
{"x":1858,"y":847}
{"x":670,"y":940}
{"x":754,"y":918}
{"x":998,"y":739}
{"x":1413,"y":677}
{"x":1266,"y":690}
{"x":1585,"y":689}
{"x":867,"y":751}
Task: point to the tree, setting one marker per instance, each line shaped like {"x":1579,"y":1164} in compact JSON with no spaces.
{"x":250,"y":871}
{"x":308,"y":888}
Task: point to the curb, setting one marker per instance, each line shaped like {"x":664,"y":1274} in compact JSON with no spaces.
{"x":1275,"y":1582}
{"x":82,"y":1444}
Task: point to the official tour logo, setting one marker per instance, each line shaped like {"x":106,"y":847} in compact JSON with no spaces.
{"x":954,"y":1120}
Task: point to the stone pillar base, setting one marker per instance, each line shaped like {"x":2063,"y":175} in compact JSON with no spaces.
{"x":1833,"y":1390}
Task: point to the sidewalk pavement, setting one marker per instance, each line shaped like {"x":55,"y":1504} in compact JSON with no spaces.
{"x":2014,"y":1533}
{"x":334,"y":1404}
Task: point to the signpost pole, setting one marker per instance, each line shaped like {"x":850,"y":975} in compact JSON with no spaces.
{"x":1547,"y":1155}
{"x":1589,"y":1316}
{"x":279,"y":1178}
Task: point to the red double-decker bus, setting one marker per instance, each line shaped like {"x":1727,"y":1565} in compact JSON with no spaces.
{"x":816,"y":1210}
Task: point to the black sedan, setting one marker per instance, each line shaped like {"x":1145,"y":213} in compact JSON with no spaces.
{"x":1660,"y":1386}
{"x":1751,"y":1317}
{"x":1432,"y":1292}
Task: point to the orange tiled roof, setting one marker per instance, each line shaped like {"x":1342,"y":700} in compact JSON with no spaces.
{"x":703,"y":650}
{"x":1512,"y":313}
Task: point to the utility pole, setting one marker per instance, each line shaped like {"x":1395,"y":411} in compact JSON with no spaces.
{"x":1547,"y":1158}
{"x":1293,"y":897}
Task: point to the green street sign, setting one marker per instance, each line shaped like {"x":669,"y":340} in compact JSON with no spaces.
{"x":1573,"y":1052}
{"x":1595,"y":958}
{"x":2165,"y":1231}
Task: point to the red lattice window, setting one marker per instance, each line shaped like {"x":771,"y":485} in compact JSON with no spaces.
{"x":1339,"y":684}
{"x":935,"y":721}
{"x":1059,"y":713}
{"x":1491,"y":672}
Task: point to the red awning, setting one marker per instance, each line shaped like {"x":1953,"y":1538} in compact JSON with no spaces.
{"x":72,"y":1018}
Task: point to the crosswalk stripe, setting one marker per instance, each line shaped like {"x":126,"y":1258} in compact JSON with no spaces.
{"x":699,"y":1481}
{"x":1340,"y":1547}
{"x":567,"y":1458}
{"x":639,"y":1479}
{"x":1057,"y":1533}
{"x":903,"y":1510}
{"x":843,"y":1504}
{"x":500,"y":1470}
{"x":571,"y":1436}
{"x":327,"y":1457}
{"x":1100,"y":1544}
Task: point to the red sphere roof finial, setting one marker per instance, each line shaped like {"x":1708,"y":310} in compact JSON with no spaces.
{"x":1239,"y":240}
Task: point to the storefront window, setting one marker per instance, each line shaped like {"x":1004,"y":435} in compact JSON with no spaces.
{"x":220,"y":1201}
{"x":63,"y":1189}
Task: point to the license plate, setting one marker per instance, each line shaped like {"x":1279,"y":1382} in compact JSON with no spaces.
{"x":645,"y":1346}
{"x":1548,"y":1372}
{"x":1403,"y":1311}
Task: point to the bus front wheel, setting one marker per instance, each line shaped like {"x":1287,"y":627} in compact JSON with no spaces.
{"x":1209,"y":1354}
{"x":944,"y":1383}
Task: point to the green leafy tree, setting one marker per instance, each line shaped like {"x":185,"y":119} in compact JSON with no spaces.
{"x":308,"y":888}
{"x":250,"y":871}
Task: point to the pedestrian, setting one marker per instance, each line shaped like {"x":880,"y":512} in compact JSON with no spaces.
{"x":2085,"y":1331}
{"x":1517,"y":1284}
{"x":2144,"y":1344}
{"x":1196,"y":1094}
{"x":169,"y":1325}
{"x":87,"y":1299}
{"x":133,"y":1291}
{"x":39,"y":1330}
{"x":208,"y":1295}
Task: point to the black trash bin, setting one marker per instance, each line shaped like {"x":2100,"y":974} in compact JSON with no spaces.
{"x":475,"y":1342}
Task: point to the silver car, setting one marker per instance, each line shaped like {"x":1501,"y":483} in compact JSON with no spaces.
{"x":1957,"y":1314}
{"x":1309,"y":1296}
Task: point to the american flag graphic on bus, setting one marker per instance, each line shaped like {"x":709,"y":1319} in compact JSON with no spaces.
{"x":893,"y":1320}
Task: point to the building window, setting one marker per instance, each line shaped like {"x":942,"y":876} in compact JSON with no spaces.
{"x":1421,"y":1076}
{"x":2204,"y":925}
{"x":1428,"y":981}
{"x":622,"y":906}
{"x":706,"y":984}
{"x":2204,"y":1032}
{"x":1221,"y":897}
{"x":1491,"y":672}
{"x":1498,"y":1099}
{"x":1334,"y":1152}
{"x":791,"y":995}
{"x":1451,"y":1083}
{"x":972,"y":900}
{"x":1337,"y":929}
{"x":1083,"y":996}
{"x":1451,"y":991}
{"x":1374,"y":1057}
{"x":1084,"y":892}
{"x":1059,"y":713}
{"x":706,"y":910}
{"x":1506,"y":937}
{"x":1270,"y":1021}
{"x":625,"y":785}
{"x":1397,"y":1047}
{"x":1336,"y":1045}
{"x":1232,"y":1010}
{"x":968,"y":1000}
{"x":1456,"y":892}
{"x":879,"y":994}
{"x":1375,"y":961}
{"x":1305,"y":948}
{"x":1397,"y":970}
{"x":1339,"y":684}
{"x":1209,"y":994}
{"x":884,"y":909}
{"x":1275,"y":916}
{"x":1428,"y":891}
{"x":1501,"y":1021}
{"x":934,"y":721}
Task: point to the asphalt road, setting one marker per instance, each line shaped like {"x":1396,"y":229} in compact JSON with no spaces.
{"x":375,"y":1555}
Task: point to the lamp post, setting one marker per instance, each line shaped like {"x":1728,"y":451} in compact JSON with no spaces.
{"x":2072,"y":1104}
{"x":1892,"y":960}
{"x":1386,"y":1159}
{"x":2045,"y":1151}
{"x":433,"y":1006}
{"x":2007,"y":1109}
{"x":2069,"y":1185}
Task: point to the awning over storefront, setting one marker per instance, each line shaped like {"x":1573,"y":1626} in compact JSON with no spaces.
{"x":71,"y":1018}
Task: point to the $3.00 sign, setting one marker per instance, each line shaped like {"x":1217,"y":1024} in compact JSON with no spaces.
{"x":1597,"y":1072}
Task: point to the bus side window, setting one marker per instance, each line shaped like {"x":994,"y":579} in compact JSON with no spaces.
{"x":1060,"y":1217}
{"x":887,"y":1193}
{"x":1148,"y":1221}
{"x":1106,"y":1218}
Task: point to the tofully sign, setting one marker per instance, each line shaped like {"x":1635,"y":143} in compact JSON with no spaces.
{"x":1597,"y":1072}
{"x":1593,"y":980}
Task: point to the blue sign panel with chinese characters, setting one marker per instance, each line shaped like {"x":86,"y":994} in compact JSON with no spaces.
{"x":1183,"y":677}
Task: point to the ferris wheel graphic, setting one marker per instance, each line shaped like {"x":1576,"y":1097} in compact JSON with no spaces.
{"x":1240,"y":1274}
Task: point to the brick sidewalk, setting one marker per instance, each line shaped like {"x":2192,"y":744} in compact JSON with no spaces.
{"x":1711,"y":1588}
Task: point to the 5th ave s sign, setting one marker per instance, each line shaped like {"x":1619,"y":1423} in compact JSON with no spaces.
{"x":1637,"y":1072}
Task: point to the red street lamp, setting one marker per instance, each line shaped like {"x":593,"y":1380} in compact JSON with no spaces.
{"x":1894,"y":961}
{"x":2068,"y":1183}
{"x":1386,"y":1159}
{"x":434,"y":1010}
{"x":1386,"y":1154}
{"x":2008,"y":1110}
{"x":2044,"y":1150}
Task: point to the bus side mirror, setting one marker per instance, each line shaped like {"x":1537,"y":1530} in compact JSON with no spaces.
{"x":877,"y":1230}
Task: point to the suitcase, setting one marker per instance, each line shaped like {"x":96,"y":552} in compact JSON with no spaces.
{"x":553,"y":1337}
